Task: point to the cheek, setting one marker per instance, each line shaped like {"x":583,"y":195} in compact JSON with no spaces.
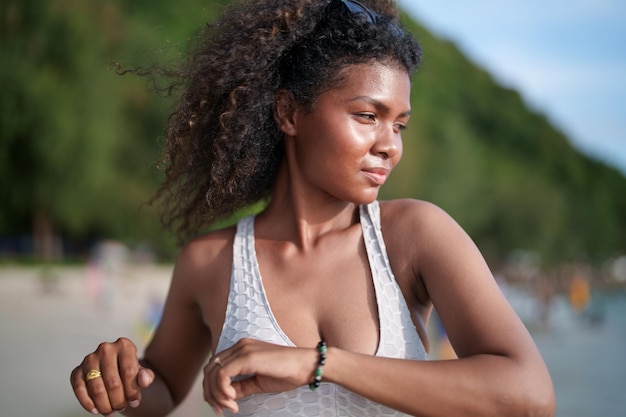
{"x":333,"y":149}
{"x":398,"y":156}
{"x":316,"y":158}
{"x":329,"y":162}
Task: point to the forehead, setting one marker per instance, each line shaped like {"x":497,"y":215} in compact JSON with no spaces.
{"x":375,"y":80}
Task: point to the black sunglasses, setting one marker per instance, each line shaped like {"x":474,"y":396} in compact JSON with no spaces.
{"x":358,"y":8}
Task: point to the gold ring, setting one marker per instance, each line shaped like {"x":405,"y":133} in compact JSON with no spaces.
{"x":218,"y":361}
{"x":93,"y":374}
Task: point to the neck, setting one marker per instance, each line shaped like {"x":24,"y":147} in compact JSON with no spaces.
{"x":303,"y":215}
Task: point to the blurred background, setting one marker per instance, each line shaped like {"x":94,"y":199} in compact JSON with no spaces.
{"x":84,"y":259}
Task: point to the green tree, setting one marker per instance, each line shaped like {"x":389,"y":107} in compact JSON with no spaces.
{"x":78,"y":142}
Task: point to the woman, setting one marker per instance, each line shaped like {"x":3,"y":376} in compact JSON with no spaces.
{"x":304,"y":102}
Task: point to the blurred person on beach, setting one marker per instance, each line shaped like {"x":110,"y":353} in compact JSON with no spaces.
{"x":106,"y":263}
{"x":300,"y":104}
{"x":579,"y":293}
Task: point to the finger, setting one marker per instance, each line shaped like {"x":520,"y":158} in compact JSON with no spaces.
{"x":98,"y":392}
{"x":222,"y":358}
{"x":246,"y":387}
{"x":212,"y":393}
{"x":215,"y":363}
{"x":96,"y":388}
{"x":128,"y":369}
{"x":224,"y":393}
{"x":146,"y":377}
{"x":77,"y":379}
{"x":207,"y":394}
{"x":111,"y":378}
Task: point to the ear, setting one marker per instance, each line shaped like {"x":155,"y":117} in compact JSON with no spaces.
{"x":284,"y":111}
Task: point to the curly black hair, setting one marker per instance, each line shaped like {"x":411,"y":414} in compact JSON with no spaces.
{"x":223,"y":146}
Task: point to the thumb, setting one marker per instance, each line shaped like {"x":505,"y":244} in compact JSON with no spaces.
{"x":145,"y":377}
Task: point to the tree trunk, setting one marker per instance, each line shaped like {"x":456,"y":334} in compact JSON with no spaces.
{"x":46,"y":245}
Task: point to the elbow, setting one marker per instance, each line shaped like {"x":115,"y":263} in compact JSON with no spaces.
{"x":545,"y":404}
{"x":537,"y":399}
{"x":526,"y":392}
{"x":541,"y":403}
{"x":529,"y":404}
{"x":541,"y":395}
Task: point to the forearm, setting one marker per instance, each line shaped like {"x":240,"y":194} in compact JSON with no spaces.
{"x":483,"y":385}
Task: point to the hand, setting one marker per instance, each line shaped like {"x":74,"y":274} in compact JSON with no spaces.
{"x":256,"y":367}
{"x":122,"y":378}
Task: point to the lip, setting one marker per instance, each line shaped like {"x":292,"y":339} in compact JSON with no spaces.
{"x":377,"y":175}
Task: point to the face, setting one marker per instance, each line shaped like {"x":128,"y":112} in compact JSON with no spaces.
{"x":346,"y":146}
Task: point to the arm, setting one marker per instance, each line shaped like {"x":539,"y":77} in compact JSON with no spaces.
{"x":156,"y":384}
{"x":181,"y":342}
{"x":499,"y":370}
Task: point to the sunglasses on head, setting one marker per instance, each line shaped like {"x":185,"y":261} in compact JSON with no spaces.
{"x":358,"y":8}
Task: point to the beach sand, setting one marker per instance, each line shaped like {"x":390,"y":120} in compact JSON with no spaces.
{"x":50,"y":319}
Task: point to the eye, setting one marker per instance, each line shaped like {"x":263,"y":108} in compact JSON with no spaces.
{"x":400,"y":127}
{"x":367,"y":117}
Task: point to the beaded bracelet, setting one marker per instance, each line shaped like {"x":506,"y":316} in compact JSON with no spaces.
{"x":319,"y":370}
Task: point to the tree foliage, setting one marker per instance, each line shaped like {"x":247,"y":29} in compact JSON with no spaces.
{"x":78,"y":142}
{"x":502,"y":170}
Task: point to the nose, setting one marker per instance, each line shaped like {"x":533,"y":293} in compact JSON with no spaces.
{"x":388,"y":143}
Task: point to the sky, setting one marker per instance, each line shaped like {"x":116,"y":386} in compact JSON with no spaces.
{"x":567,"y":58}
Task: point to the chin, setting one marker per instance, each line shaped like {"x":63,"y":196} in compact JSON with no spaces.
{"x":366,"y":197}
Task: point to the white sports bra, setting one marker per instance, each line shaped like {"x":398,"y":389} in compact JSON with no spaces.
{"x":249,"y":315}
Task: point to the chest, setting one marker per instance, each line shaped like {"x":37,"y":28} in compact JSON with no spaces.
{"x":327,"y":293}
{"x":342,"y":291}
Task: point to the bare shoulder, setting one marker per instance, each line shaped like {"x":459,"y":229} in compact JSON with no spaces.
{"x":411,"y":228}
{"x":407,"y":206}
{"x":411,"y":218}
{"x":206,"y":258}
{"x":426,"y":234}
{"x":207,"y":248}
{"x":427,"y":243}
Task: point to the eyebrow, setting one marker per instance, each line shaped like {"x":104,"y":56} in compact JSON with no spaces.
{"x":378,"y":104}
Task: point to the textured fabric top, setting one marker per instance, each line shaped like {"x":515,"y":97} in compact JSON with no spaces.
{"x":249,"y":315}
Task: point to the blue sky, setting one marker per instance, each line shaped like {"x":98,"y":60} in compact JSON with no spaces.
{"x":566,"y":58}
